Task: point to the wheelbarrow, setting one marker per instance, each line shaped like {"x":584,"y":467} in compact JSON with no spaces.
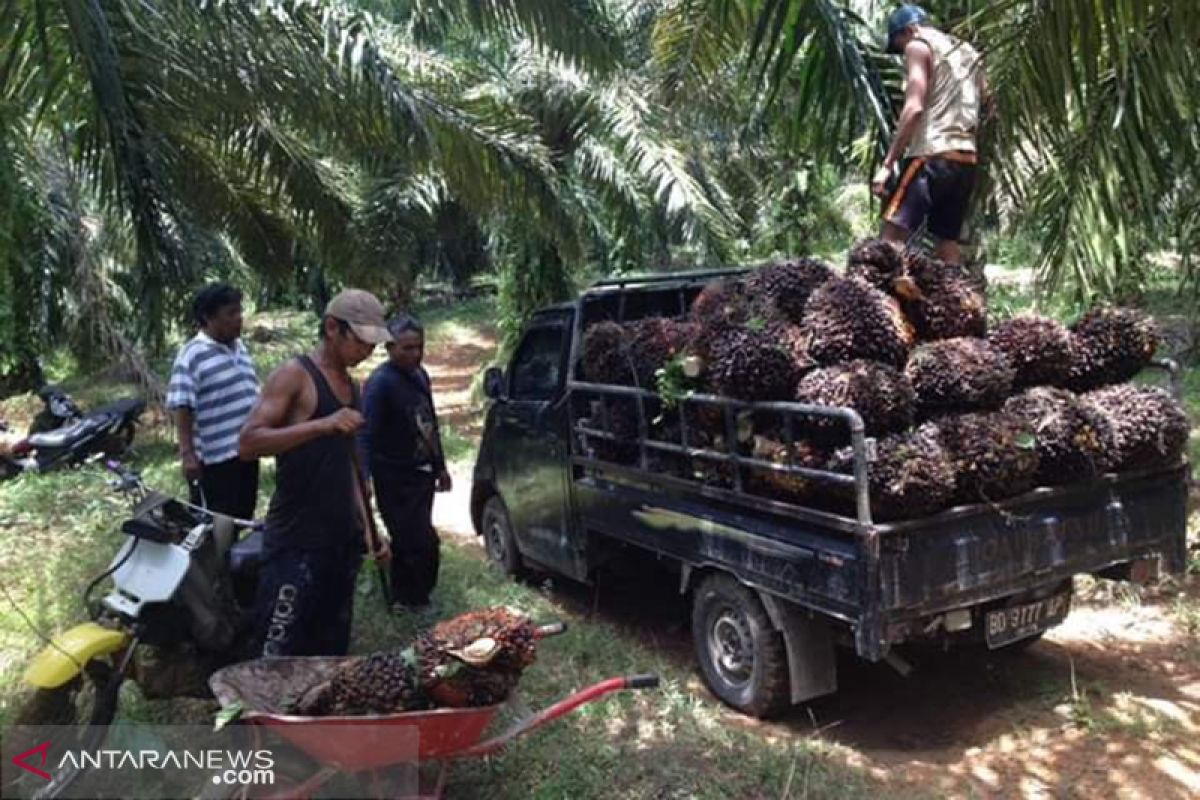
{"x":445,"y":734}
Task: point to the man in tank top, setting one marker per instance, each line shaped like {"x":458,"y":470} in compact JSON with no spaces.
{"x":307,"y":418}
{"x":935,"y":141}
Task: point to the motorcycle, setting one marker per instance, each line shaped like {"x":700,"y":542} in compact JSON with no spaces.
{"x":182,"y":586}
{"x":63,"y":435}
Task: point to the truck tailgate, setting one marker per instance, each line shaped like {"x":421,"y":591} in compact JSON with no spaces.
{"x":966,"y":556}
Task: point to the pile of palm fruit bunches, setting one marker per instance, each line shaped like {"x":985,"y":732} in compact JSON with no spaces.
{"x":475,"y":659}
{"x":961,"y":411}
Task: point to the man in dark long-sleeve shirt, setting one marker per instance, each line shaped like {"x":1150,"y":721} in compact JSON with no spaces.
{"x":402,"y":448}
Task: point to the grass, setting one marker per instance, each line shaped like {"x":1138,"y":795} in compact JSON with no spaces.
{"x":60,"y":529}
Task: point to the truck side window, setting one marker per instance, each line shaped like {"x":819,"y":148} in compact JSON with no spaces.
{"x":537,"y":364}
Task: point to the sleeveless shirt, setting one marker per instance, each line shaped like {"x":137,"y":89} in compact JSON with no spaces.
{"x":953,"y":99}
{"x":315,"y":503}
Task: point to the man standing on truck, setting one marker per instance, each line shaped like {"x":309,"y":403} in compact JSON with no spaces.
{"x":317,"y":523}
{"x":403,"y":448}
{"x":213,"y":387}
{"x":935,"y":140}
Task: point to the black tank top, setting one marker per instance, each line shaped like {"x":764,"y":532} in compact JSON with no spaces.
{"x":315,"y":503}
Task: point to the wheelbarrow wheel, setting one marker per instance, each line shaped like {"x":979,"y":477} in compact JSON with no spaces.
{"x":741,"y":656}
{"x":499,"y":540}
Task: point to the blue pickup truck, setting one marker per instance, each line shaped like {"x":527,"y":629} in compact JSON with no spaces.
{"x":775,"y":586}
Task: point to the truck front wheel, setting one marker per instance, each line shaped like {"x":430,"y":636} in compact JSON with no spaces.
{"x":741,"y":656}
{"x":498,"y":537}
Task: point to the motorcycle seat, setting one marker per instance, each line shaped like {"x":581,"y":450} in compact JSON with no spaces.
{"x":149,"y":529}
{"x":71,"y":434}
{"x":129,"y":406}
{"x":247,"y":554}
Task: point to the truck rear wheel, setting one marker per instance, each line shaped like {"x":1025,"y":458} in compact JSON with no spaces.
{"x":741,"y":656}
{"x":498,"y":538}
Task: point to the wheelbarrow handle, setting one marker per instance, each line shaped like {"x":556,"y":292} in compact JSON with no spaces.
{"x":647,"y":681}
{"x":551,"y":629}
{"x":559,"y":709}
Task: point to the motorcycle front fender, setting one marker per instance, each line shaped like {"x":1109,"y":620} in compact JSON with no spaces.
{"x":63,"y":659}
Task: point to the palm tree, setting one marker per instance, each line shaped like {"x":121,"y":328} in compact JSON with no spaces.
{"x":1098,"y":122}
{"x":273,"y":123}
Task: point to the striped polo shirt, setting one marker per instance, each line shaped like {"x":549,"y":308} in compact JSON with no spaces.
{"x":218,"y":383}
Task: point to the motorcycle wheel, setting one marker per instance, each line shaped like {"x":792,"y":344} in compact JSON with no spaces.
{"x":87,"y":703}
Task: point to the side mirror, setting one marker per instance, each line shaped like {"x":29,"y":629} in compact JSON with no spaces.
{"x":493,"y":383}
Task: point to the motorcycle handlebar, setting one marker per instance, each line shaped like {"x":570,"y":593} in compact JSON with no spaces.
{"x":129,"y":480}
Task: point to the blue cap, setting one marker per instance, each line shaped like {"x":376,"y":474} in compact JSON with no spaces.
{"x":900,"y":19}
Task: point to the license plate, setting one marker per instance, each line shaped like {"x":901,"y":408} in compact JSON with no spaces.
{"x":1008,"y":625}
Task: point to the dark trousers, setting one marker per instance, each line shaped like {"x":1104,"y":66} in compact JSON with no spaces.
{"x":230,"y":487}
{"x":406,"y":503}
{"x":305,"y":602}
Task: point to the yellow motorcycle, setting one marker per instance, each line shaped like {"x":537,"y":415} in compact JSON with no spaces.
{"x":176,"y":610}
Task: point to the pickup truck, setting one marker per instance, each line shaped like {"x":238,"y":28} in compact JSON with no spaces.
{"x":775,"y":586}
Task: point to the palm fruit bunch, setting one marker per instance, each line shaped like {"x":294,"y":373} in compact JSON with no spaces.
{"x":1150,"y":428}
{"x":848,"y":319}
{"x":617,"y":416}
{"x":1110,"y":345}
{"x":477,"y":658}
{"x":911,"y":476}
{"x":882,"y":395}
{"x":793,"y":338}
{"x":474,"y":659}
{"x":725,"y":302}
{"x":959,"y":375}
{"x":940,"y":299}
{"x":750,"y":365}
{"x":1038,"y":348}
{"x":782,"y":485}
{"x":994,"y":455}
{"x":876,"y":262}
{"x":785,"y":287}
{"x":379,"y":683}
{"x":605,"y":356}
{"x":1073,"y":440}
{"x":653,"y":342}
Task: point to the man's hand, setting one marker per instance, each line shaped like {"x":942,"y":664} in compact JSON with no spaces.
{"x":879,"y":182}
{"x":344,"y":422}
{"x":382,"y":550}
{"x":192,"y":467}
{"x":443,"y":483}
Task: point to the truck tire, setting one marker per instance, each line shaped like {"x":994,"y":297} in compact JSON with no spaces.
{"x":498,"y":538}
{"x":741,"y":656}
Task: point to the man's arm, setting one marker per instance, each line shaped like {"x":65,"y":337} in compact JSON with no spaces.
{"x":443,"y":482}
{"x":184,"y":432}
{"x":916,"y":87}
{"x":267,"y":432}
{"x":181,"y":399}
{"x":374,"y":400}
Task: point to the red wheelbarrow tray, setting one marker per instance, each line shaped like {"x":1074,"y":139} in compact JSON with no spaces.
{"x":265,"y":685}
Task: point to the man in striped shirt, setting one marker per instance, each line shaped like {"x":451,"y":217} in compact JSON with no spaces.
{"x":213,"y":388}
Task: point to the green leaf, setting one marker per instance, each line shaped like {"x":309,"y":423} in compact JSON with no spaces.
{"x":227,"y":714}
{"x":1026,"y":441}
